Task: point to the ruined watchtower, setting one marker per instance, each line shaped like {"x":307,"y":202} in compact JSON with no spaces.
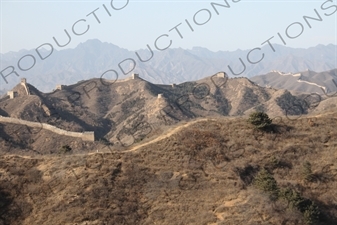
{"x":160,"y":95}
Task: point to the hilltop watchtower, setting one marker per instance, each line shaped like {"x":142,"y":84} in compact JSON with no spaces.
{"x":59,"y":87}
{"x":221,"y":74}
{"x":135,"y":76}
{"x":23,"y":81}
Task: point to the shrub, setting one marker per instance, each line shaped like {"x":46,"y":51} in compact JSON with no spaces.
{"x":259,"y":119}
{"x":65,"y":149}
{"x":105,"y":141}
{"x":311,"y":214}
{"x":307,"y":172}
{"x":266,"y":182}
{"x":309,"y":209}
{"x":293,"y":198}
{"x":273,"y":163}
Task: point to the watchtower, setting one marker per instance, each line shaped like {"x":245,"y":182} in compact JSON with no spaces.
{"x":135,"y":76}
{"x":221,"y":74}
{"x":12,"y":94}
{"x":59,"y":87}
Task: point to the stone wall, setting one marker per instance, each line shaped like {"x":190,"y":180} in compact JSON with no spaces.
{"x":86,"y":136}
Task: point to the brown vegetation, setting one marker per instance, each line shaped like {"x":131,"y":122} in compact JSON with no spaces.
{"x":201,"y":174}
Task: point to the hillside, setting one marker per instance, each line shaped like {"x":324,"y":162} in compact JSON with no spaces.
{"x":167,"y":154}
{"x":198,"y":172}
{"x":306,"y":82}
{"x":127,"y":111}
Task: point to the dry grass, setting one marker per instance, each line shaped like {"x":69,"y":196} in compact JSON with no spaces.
{"x":201,"y":174}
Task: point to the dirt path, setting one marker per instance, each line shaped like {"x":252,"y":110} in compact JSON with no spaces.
{"x":175,"y":130}
{"x":170,"y":133}
{"x":322,"y":115}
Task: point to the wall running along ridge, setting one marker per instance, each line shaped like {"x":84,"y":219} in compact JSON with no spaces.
{"x":85,"y":136}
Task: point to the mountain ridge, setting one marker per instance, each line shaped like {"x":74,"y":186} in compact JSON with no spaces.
{"x":92,"y":58}
{"x":124,"y":111}
{"x":308,"y":81}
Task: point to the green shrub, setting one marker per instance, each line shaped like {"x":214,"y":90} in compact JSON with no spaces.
{"x":65,"y":149}
{"x":307,"y":172}
{"x":273,"y":163}
{"x":293,"y":198}
{"x":105,"y":141}
{"x":306,"y":206}
{"x":311,"y":214}
{"x":260,"y":120}
{"x":267,"y":183}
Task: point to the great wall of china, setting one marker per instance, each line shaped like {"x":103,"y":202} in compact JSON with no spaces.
{"x":85,"y":136}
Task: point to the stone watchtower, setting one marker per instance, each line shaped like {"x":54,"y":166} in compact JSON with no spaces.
{"x":23,"y":81}
{"x":160,"y":95}
{"x":135,"y":76}
{"x":59,"y":87}
{"x":221,"y":74}
{"x":12,"y":94}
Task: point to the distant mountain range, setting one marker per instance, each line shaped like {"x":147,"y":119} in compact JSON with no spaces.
{"x":92,"y":58}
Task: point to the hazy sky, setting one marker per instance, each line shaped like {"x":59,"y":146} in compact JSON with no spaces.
{"x":245,"y":25}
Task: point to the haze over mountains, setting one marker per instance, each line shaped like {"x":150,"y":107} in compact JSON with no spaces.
{"x":92,"y":58}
